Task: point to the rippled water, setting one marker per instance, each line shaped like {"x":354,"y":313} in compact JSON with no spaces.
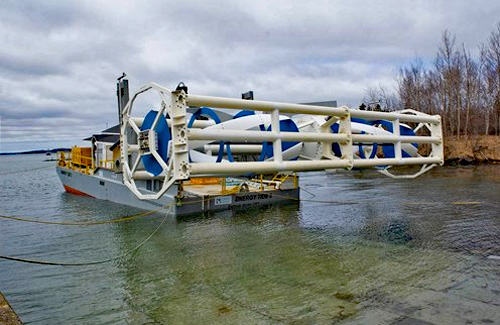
{"x":389,"y":248}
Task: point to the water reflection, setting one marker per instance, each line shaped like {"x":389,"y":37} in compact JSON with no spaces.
{"x":235,"y":268}
{"x":381,"y":242}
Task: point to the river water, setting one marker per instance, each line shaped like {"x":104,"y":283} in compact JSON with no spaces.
{"x":359,"y":248}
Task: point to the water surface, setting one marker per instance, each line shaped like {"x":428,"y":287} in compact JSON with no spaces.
{"x":358,"y":245}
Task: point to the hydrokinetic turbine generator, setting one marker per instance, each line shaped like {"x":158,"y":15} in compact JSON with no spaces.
{"x":193,"y":153}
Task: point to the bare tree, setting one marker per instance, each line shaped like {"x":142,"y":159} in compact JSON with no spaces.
{"x":371,"y":97}
{"x":411,"y":80}
{"x":380,"y":96}
{"x":449,"y":66}
{"x":388,"y":100}
{"x":472,"y":89}
{"x":463,"y":89}
{"x":490,"y":62}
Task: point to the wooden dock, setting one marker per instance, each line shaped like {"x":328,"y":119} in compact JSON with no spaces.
{"x":7,"y":314}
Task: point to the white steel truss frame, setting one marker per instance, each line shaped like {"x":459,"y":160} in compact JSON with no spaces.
{"x":178,"y":167}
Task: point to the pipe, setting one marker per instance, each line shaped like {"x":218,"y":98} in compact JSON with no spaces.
{"x":375,"y":138}
{"x":393,"y":161}
{"x":371,"y":115}
{"x":144,"y":175}
{"x":243,"y":136}
{"x":256,"y":105}
{"x":266,"y":167}
{"x":200,"y":124}
{"x":273,"y":167}
{"x":231,"y":103}
{"x":236,"y":148}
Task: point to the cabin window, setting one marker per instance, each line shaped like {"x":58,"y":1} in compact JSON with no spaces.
{"x":148,"y":185}
{"x":101,"y":183}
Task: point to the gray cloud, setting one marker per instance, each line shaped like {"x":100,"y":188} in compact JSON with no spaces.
{"x":59,"y":60}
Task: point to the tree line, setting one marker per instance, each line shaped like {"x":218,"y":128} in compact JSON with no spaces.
{"x":463,"y":88}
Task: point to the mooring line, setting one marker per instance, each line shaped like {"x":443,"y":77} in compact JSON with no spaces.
{"x":92,"y":223}
{"x":308,"y":192}
{"x":133,"y":250}
{"x":466,"y":202}
{"x":452,"y":203}
{"x":128,"y":218}
{"x":26,"y":170}
{"x":316,"y":201}
{"x":352,"y":203}
{"x":84,"y":223}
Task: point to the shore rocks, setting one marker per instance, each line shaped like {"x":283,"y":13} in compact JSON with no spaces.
{"x":7,"y":314}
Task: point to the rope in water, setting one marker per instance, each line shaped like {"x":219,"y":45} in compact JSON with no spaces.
{"x":43,"y":262}
{"x":127,"y":218}
{"x":358,"y":202}
{"x":133,"y":250}
{"x":84,"y":223}
{"x":26,"y":170}
{"x":134,"y":216}
{"x":316,"y":201}
{"x":92,"y":223}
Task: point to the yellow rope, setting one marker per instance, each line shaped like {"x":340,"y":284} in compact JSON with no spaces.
{"x":466,"y":202}
{"x":133,"y":250}
{"x":315,"y":201}
{"x":127,"y":218}
{"x":26,"y":170}
{"x":351,"y":202}
{"x":92,"y":223}
{"x":453,"y":203}
{"x":86,"y":223}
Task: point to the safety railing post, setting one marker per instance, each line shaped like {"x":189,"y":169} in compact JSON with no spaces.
{"x":346,"y":146}
{"x":275,"y":128}
{"x":437,"y":148}
{"x":397,"y":134}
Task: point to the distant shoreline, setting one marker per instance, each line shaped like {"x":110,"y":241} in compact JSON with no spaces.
{"x":30,"y":152}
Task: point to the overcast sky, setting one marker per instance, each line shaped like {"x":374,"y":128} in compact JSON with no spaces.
{"x":59,"y":60}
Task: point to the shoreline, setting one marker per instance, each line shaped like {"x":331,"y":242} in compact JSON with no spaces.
{"x":7,"y":314}
{"x":472,"y":150}
{"x":34,"y":152}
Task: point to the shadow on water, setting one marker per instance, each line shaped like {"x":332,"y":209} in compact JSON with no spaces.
{"x":284,"y":212}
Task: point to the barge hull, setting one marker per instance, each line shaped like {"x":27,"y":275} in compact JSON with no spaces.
{"x":107,"y":185}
